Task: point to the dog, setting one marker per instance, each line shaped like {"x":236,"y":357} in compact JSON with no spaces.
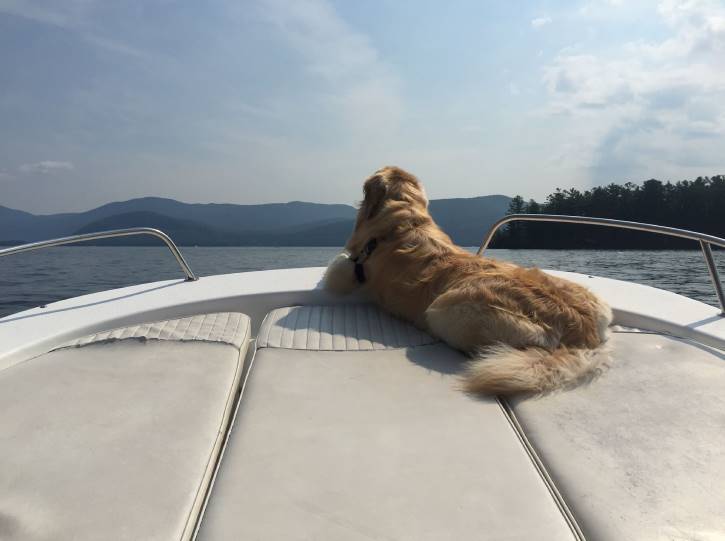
{"x":525,"y":331}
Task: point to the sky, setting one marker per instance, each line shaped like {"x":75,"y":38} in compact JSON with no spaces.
{"x":255,"y":101}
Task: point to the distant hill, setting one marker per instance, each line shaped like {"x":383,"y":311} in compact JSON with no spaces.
{"x":234,"y":217}
{"x":278,"y":224}
{"x":468,"y":220}
{"x":15,"y":224}
{"x":187,"y":232}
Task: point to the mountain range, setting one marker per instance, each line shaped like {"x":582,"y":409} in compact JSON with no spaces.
{"x":277,"y":224}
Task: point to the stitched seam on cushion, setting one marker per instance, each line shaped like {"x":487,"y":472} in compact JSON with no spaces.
{"x":238,"y":404}
{"x":541,"y":470}
{"x":344,"y":323}
{"x":188,"y":326}
{"x":268,"y":328}
{"x":171,"y":327}
{"x":384,"y":330}
{"x":288,"y":334}
{"x":185,"y":534}
{"x":139,"y":339}
{"x":227,"y":322}
{"x":160,"y":331}
{"x":370,"y":338}
{"x":307,"y":329}
{"x":335,"y":324}
{"x":393,"y":323}
{"x":302,"y":329}
{"x":211,"y":327}
{"x":141,"y":332}
{"x":379,"y":338}
{"x":284,"y":329}
{"x":355,"y":336}
{"x":271,"y":321}
{"x":318,"y":328}
{"x":236,"y":328}
{"x":346,"y":334}
{"x":405,"y":334}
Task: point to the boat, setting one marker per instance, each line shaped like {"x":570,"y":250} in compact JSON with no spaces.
{"x":258,"y":406}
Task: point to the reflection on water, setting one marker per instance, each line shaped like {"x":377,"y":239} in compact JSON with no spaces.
{"x":36,"y":278}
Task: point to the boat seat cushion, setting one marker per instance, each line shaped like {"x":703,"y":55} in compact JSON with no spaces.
{"x":639,"y":453}
{"x":344,"y":327}
{"x":116,"y":436}
{"x":344,"y":433}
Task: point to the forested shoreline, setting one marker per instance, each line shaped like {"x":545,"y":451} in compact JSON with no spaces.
{"x":698,"y":205}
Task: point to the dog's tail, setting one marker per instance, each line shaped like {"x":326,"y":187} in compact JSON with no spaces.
{"x":506,"y":370}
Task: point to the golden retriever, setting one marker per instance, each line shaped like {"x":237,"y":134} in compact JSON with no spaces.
{"x":526,"y":331}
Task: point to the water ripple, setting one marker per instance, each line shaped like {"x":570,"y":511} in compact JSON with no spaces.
{"x":47,"y":276}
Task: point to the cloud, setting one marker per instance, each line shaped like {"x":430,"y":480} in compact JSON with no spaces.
{"x":540,"y":21}
{"x":72,"y":15}
{"x":114,"y":46}
{"x":651,"y":104}
{"x":45,"y":167}
{"x":66,"y":14}
{"x":341,"y":62}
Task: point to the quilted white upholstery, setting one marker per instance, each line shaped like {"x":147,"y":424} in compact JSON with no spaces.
{"x":118,"y":440}
{"x":346,"y":327}
{"x":225,"y":327}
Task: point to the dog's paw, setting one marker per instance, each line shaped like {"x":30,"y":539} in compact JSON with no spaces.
{"x":340,"y":275}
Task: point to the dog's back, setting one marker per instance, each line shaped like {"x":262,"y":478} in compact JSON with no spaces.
{"x":526,"y":330}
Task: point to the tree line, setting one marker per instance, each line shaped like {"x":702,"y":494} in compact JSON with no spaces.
{"x":698,"y":205}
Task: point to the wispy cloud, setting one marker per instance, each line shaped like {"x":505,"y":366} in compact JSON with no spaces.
{"x":114,"y":46}
{"x":66,"y":14}
{"x":540,"y":21}
{"x":646,"y":99}
{"x":298,"y":99}
{"x":72,"y":15}
{"x":351,"y":75}
{"x":45,"y":167}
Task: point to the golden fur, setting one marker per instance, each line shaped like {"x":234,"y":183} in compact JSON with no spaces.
{"x":526,"y":331}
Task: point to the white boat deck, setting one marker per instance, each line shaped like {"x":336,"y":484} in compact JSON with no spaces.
{"x":350,"y":425}
{"x":33,"y":331}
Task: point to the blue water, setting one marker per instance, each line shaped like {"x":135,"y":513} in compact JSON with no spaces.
{"x":45,"y":276}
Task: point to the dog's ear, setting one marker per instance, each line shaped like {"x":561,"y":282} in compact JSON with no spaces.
{"x":375,"y":189}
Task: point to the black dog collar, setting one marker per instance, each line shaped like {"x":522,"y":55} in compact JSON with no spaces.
{"x":361,"y":258}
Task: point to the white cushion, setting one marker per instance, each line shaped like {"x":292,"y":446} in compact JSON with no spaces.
{"x":371,"y":444}
{"x":640,"y":452}
{"x":225,"y":327}
{"x":344,"y":327}
{"x":114,"y":440}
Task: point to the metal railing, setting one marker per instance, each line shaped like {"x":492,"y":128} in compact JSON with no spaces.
{"x":190,"y":276}
{"x":704,"y":239}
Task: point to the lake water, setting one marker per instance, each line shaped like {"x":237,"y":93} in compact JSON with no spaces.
{"x":35,"y":278}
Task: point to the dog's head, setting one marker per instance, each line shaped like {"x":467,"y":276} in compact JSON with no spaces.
{"x":393,"y":213}
{"x":391,"y":186}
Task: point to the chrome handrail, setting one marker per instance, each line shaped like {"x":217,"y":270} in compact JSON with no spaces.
{"x":704,"y":239}
{"x":190,"y":276}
